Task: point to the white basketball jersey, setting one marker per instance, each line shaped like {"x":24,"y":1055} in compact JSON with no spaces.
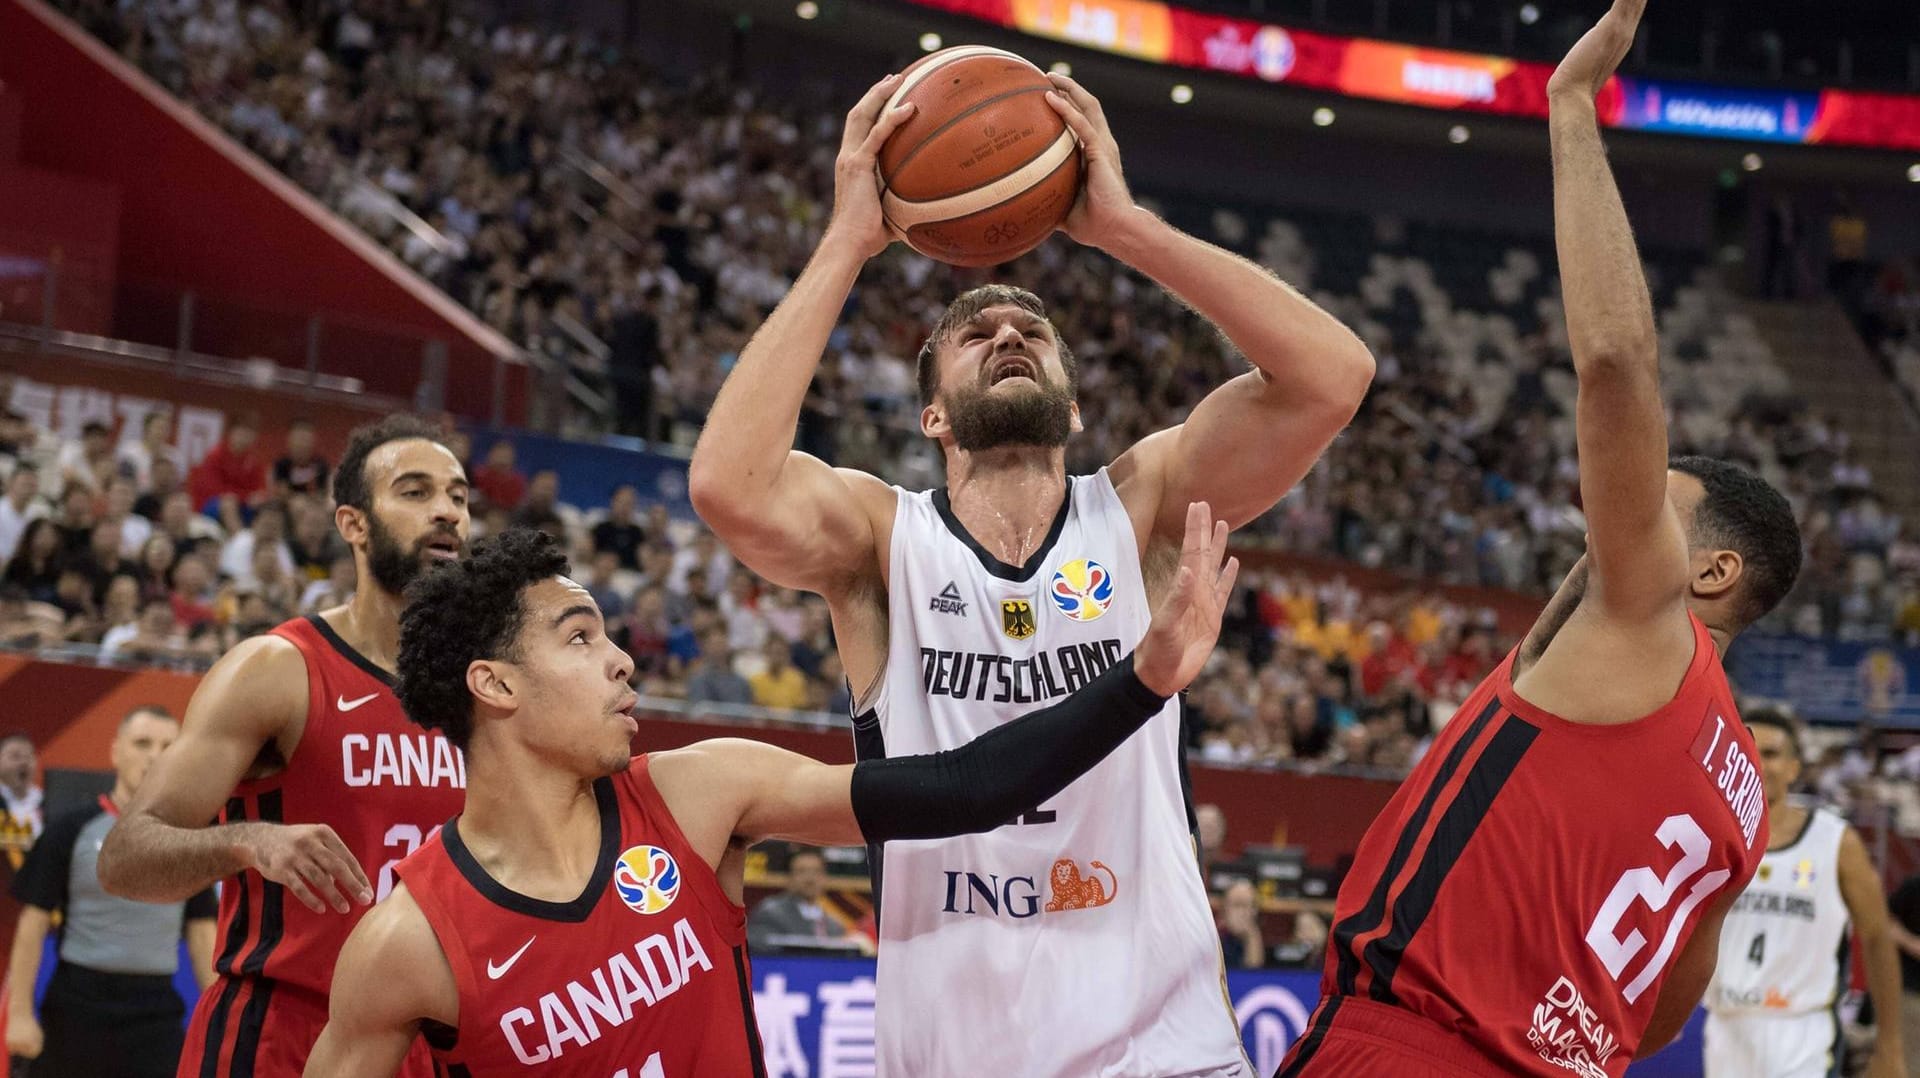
{"x":1074,"y":941}
{"x":1783,"y":945}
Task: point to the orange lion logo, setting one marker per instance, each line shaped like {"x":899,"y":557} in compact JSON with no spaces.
{"x":1072,"y":891}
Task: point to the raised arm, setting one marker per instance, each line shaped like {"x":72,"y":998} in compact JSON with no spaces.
{"x":787,"y":515}
{"x":390,"y":979}
{"x":1867,"y":908}
{"x":735,"y":789}
{"x":162,"y":849}
{"x":1636,"y":545}
{"x":1251,"y":439}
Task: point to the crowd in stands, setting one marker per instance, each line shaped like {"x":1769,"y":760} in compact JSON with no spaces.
{"x":569,"y":193}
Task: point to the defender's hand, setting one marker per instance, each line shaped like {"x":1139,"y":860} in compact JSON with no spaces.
{"x":1188,"y":620}
{"x":312,"y":863}
{"x":1105,"y":204}
{"x":1594,"y":58}
{"x":857,"y":219}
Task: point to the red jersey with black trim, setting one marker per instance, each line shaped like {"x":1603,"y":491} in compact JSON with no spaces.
{"x":1529,"y":886}
{"x":644,"y":975}
{"x":382,"y":783}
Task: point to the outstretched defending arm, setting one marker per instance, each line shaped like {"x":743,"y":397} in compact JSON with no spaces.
{"x":1636,"y":545}
{"x":767,"y":792}
{"x":1252,"y":438}
{"x":785,"y":514}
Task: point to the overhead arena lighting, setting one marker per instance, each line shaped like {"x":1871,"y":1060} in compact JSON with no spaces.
{"x":1182,"y":93}
{"x":1323,"y":117}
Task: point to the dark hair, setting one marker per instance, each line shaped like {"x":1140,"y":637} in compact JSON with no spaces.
{"x":964,"y":308}
{"x":94,"y":426}
{"x":1779,"y":720}
{"x":1742,"y":512}
{"x":462,"y":612}
{"x":350,"y":486}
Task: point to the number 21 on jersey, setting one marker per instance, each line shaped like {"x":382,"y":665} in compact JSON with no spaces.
{"x":1643,"y":884}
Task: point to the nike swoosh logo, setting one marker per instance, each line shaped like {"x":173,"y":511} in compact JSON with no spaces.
{"x":494,"y":972}
{"x":345,"y":704}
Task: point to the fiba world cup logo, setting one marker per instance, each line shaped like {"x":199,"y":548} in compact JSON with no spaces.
{"x":646,"y":878}
{"x":1082,"y":589}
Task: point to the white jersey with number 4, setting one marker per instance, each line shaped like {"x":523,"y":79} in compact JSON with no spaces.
{"x":1782,"y":947}
{"x":1074,"y":941}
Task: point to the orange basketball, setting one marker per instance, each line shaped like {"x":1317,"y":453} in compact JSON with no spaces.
{"x":984,"y":169}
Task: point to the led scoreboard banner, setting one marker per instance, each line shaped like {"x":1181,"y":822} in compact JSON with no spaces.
{"x":1444,"y":79}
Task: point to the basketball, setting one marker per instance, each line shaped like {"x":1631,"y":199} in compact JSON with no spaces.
{"x":984,"y":170}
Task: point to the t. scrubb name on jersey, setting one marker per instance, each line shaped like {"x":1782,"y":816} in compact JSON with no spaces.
{"x":1044,"y":675}
{"x":402,"y":760}
{"x":587,"y":1008}
{"x":1732,"y":772}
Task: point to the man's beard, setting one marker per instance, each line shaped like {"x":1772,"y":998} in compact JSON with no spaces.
{"x":982,"y":419}
{"x":392,"y":565}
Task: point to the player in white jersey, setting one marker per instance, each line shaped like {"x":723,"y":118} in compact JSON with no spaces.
{"x":1773,"y":1005}
{"x":1076,"y":941}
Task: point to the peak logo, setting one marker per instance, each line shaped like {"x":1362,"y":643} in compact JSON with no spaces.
{"x":948,"y":601}
{"x":647,"y":879}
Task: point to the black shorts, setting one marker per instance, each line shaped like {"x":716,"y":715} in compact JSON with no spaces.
{"x":109,"y":1025}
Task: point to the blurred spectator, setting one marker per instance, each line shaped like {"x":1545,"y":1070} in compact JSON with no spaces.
{"x":155,"y":639}
{"x":136,"y":459}
{"x":20,"y":789}
{"x":193,"y":592}
{"x":103,"y":559}
{"x":1240,"y":940}
{"x":795,"y":917}
{"x":335,"y":590}
{"x":21,"y":505}
{"x":314,"y":543}
{"x":184,"y":527}
{"x":132,"y":528}
{"x":711,"y":679}
{"x":498,"y":479}
{"x":606,"y":591}
{"x":1210,"y":831}
{"x":781,"y":685}
{"x":89,"y":462}
{"x":109,"y":1009}
{"x":621,"y":533}
{"x":1847,"y":272}
{"x":76,"y":520}
{"x":1904,"y":905}
{"x":165,"y":484}
{"x":541,"y":507}
{"x":267,"y":532}
{"x":301,"y":470}
{"x":232,"y":477}
{"x":34,"y":569}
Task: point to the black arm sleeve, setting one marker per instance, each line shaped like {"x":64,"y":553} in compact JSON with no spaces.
{"x":984,"y":783}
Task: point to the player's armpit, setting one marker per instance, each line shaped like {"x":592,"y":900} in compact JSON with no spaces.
{"x":729,"y":788}
{"x":390,"y":979}
{"x":159,"y":850}
{"x":1687,"y":981}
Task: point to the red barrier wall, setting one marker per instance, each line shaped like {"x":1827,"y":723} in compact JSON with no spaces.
{"x":202,"y":214}
{"x":77,"y":707}
{"x":62,"y":225}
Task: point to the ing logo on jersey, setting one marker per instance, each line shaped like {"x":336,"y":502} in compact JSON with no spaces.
{"x":1016,"y":618}
{"x":1082,"y":589}
{"x":646,"y":878}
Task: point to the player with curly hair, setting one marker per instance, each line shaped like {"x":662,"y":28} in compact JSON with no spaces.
{"x":586,"y":903}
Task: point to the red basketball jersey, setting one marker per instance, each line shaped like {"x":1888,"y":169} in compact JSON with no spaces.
{"x":382,"y":783}
{"x":644,"y":975}
{"x":1529,"y":886}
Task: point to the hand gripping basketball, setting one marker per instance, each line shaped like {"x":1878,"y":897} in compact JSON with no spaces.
{"x":857,"y":219}
{"x":312,"y":863}
{"x":1594,"y":58}
{"x":1187,"y":621}
{"x":1105,"y":203}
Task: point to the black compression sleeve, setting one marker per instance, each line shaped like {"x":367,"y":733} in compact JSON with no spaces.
{"x":984,"y":783}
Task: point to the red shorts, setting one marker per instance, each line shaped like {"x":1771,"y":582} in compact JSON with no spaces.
{"x":251,"y":1026}
{"x":1350,"y":1035}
